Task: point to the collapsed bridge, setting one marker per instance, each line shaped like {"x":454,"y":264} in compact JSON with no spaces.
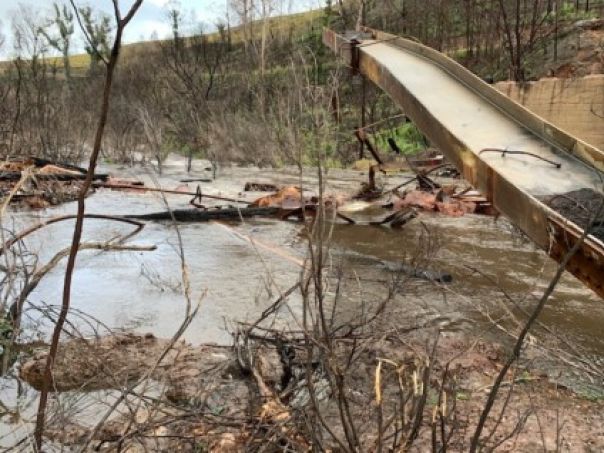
{"x":547,"y":182}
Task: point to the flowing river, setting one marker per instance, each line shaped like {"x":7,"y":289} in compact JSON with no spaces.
{"x":233,"y":280}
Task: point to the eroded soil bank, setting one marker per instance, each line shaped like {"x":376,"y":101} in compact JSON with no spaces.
{"x":211,"y":399}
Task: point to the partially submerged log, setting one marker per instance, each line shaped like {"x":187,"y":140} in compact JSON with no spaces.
{"x":398,"y":219}
{"x":418,"y":272}
{"x":199,"y":215}
{"x":399,"y":267}
{"x":197,"y":180}
{"x":260,"y":187}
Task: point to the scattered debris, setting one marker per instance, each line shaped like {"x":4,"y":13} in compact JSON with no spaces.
{"x":445,"y":171}
{"x":236,"y":398}
{"x":428,"y":162}
{"x":426,"y":159}
{"x":42,"y":183}
{"x":260,"y":187}
{"x":44,"y":169}
{"x":583,"y":207}
{"x":286,"y":198}
{"x":436,"y":200}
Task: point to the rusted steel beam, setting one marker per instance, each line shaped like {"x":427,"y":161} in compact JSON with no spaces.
{"x":588,"y":264}
{"x":513,"y":191}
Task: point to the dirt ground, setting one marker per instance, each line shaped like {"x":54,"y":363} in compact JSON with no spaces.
{"x":580,"y":53}
{"x":210,"y":400}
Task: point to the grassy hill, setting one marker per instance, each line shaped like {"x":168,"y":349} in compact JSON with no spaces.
{"x":296,"y":24}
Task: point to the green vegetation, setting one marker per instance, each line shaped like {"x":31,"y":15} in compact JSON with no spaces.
{"x":407,"y":136}
{"x":569,"y":12}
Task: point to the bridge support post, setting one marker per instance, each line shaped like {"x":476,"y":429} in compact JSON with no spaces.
{"x":355,"y":72}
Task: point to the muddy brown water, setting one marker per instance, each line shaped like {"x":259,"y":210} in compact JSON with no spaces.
{"x":235,"y":281}
{"x":141,"y":290}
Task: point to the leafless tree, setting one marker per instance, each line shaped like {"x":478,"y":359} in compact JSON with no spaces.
{"x":58,"y":34}
{"x":97,"y":31}
{"x":193,"y":68}
{"x":121,"y":23}
{"x":2,"y":36}
{"x":523,"y":22}
{"x":152,"y":120}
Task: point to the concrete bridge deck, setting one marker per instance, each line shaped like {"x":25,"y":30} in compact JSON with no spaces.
{"x":473,"y":123}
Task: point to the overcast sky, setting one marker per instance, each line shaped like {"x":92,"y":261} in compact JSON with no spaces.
{"x":150,"y":20}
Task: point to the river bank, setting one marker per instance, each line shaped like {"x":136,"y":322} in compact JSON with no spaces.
{"x":496,"y":277}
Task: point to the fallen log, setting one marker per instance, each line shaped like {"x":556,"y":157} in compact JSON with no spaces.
{"x":167,"y":191}
{"x":39,"y":162}
{"x":18,"y":165}
{"x":26,"y":232}
{"x":311,"y":211}
{"x":260,"y":187}
{"x":197,"y":180}
{"x":198,"y":215}
{"x":16,"y":176}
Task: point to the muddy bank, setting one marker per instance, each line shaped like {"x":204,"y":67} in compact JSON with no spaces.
{"x":212,"y":398}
